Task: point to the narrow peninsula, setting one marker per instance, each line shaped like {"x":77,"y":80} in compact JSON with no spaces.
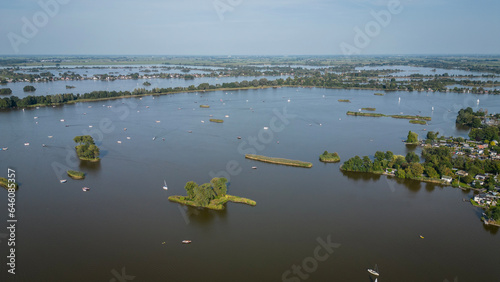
{"x":280,"y":161}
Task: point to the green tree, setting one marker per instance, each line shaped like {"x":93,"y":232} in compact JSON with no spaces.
{"x":411,"y":157}
{"x":190,"y":188}
{"x":412,"y":137}
{"x":379,"y":156}
{"x":431,"y":172}
{"x":219,"y":186}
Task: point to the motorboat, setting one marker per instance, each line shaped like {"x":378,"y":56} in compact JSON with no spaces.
{"x":85,"y":189}
{"x":374,"y":271}
{"x":165,"y":185}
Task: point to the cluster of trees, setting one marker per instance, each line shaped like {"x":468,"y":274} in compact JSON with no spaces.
{"x":438,"y":162}
{"x":15,"y":102}
{"x":412,"y":137}
{"x":29,"y":88}
{"x":203,"y":194}
{"x":470,"y":118}
{"x":404,"y":166}
{"x":489,"y":133}
{"x":86,"y":148}
{"x":5,"y":91}
{"x":494,"y":213}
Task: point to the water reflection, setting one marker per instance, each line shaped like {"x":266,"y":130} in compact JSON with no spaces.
{"x":412,"y":185}
{"x":204,"y":217}
{"x":93,"y":166}
{"x":492,"y":229}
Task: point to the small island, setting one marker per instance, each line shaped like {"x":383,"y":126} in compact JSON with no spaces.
{"x":280,"y":161}
{"x":29,"y":88}
{"x":350,"y":113}
{"x":216,"y":120}
{"x":412,"y":138}
{"x":329,"y":157}
{"x":416,"y":121}
{"x":204,"y":106}
{"x":5,"y":91}
{"x":211,"y":195}
{"x":4,"y":182}
{"x":86,"y":148}
{"x":344,"y":100}
{"x":147,"y":83}
{"x":76,"y":174}
{"x":70,"y":86}
{"x":369,"y":109}
{"x":379,"y":94}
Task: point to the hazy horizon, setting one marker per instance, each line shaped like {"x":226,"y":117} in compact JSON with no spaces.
{"x":249,"y":28}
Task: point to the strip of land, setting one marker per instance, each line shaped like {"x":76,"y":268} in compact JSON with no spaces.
{"x":280,"y":161}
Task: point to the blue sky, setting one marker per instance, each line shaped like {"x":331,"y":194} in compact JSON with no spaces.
{"x":248,"y":27}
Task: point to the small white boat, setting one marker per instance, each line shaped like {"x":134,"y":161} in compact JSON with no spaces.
{"x":26,"y":144}
{"x":266,"y":128}
{"x":62,"y":120}
{"x":63,"y":180}
{"x":226,"y":116}
{"x":202,"y":121}
{"x":35,"y":117}
{"x":125,"y":129}
{"x":119,"y":142}
{"x":91,"y":126}
{"x":186,"y":241}
{"x":128,"y":138}
{"x":85,"y":189}
{"x":157,"y":121}
{"x":43,"y":145}
{"x":239,"y":137}
{"x":154,"y":138}
{"x":288,"y":100}
{"x":254,"y":167}
{"x":5,"y":149}
{"x":190,"y":131}
{"x":374,"y":271}
{"x":165,"y":185}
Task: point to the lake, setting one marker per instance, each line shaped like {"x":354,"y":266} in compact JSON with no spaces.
{"x":334,"y":225}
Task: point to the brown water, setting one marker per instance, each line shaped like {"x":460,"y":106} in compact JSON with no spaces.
{"x":65,"y":234}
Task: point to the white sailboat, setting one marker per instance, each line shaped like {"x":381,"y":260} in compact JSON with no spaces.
{"x":374,"y":271}
{"x":165,"y":185}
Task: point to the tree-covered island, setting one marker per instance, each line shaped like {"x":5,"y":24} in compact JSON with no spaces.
{"x":211,"y":195}
{"x":329,"y":157}
{"x":86,"y":149}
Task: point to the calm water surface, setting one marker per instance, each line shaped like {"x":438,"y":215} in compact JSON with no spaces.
{"x":65,"y":234}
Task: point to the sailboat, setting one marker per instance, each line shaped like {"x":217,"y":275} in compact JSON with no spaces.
{"x":374,"y":272}
{"x":165,"y":185}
